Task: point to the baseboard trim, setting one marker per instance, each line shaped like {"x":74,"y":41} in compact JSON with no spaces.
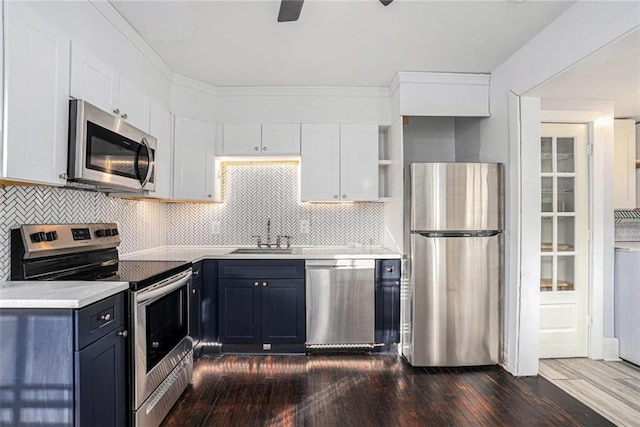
{"x":610,"y":349}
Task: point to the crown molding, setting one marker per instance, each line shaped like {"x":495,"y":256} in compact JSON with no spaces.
{"x":472,"y":79}
{"x":109,"y":12}
{"x":284,"y":91}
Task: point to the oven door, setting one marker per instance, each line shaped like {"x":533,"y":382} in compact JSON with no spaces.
{"x":110,"y":152}
{"x":161,"y":338}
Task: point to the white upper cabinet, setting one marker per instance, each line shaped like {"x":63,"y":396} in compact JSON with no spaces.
{"x":95,"y":82}
{"x":339,"y":162}
{"x":194,"y":175}
{"x":624,"y":164}
{"x":320,"y":163}
{"x":36,"y":97}
{"x":359,"y":162}
{"x":134,"y":105}
{"x":261,"y":140}
{"x":281,"y":139}
{"x":161,"y":127}
{"x":241,"y":140}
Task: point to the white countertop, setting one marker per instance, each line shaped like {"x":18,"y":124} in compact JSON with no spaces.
{"x":56,"y":294}
{"x":198,"y":253}
{"x":628,"y":246}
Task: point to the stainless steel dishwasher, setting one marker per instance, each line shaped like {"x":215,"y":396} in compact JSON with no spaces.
{"x":340,"y":303}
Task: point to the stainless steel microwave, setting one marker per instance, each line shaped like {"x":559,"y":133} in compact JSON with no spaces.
{"x":107,"y":152}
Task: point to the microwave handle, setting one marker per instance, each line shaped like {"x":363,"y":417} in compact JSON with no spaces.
{"x":151,"y":162}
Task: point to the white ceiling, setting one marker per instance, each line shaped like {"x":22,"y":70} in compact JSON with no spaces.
{"x":612,"y":74}
{"x":334,"y":43}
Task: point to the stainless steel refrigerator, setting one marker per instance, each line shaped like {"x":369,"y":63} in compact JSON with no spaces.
{"x":454,"y":246}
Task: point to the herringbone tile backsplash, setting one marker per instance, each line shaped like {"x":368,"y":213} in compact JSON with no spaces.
{"x":143,"y":225}
{"x":254,"y":192}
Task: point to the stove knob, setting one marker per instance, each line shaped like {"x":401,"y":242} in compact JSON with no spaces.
{"x":38,"y":237}
{"x":51,"y":236}
{"x":108,"y":232}
{"x":101,"y":233}
{"x":114,"y":232}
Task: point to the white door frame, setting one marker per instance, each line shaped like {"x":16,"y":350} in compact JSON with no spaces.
{"x":523,"y":320}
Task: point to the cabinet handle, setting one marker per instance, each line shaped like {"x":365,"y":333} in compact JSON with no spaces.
{"x":264,"y":148}
{"x":344,"y":196}
{"x":124,"y":116}
{"x":335,"y":196}
{"x":193,"y":291}
{"x":389,"y":269}
{"x":105,"y":317}
{"x":116,"y":111}
{"x":256,"y":284}
{"x":256,"y":148}
{"x":397,"y":283}
{"x":264,"y":284}
{"x":123,"y":334}
{"x":209,"y":195}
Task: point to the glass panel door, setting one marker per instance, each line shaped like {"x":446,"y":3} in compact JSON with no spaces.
{"x":557,"y":246}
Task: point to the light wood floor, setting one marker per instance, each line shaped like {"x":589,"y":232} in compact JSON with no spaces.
{"x":609,"y":388}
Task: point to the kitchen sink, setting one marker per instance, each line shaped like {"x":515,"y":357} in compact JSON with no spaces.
{"x":282,"y":251}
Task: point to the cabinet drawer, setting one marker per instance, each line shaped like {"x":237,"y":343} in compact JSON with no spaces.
{"x":97,"y":320}
{"x":196,"y":270}
{"x":261,"y":269}
{"x":387,"y":269}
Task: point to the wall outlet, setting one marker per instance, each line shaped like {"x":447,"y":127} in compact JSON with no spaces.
{"x":305,"y":226}
{"x":215,"y":227}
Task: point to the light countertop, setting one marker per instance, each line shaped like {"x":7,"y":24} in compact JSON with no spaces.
{"x":198,"y":253}
{"x":628,"y":246}
{"x":56,"y":294}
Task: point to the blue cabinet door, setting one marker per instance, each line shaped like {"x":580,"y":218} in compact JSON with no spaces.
{"x":209,"y":302}
{"x":387,"y":312}
{"x":239,"y":311}
{"x":283,"y":311}
{"x":101,"y":382}
{"x":195,"y":311}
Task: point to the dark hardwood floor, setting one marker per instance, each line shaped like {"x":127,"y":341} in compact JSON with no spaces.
{"x":347,"y":390}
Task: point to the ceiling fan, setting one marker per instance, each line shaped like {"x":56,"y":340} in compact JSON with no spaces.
{"x":290,"y":9}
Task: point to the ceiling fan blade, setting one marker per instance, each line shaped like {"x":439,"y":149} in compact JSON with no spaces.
{"x":386,"y":2}
{"x":290,"y":10}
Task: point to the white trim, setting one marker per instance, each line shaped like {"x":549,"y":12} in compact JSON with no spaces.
{"x":284,"y":91}
{"x":113,"y":16}
{"x":458,"y":79}
{"x":559,"y":116}
{"x":611,"y":349}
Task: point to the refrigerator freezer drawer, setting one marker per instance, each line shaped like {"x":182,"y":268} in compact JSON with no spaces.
{"x":456,"y":196}
{"x":455,"y":307}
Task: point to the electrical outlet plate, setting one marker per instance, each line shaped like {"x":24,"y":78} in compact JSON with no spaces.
{"x":215,"y":227}
{"x":305,"y":226}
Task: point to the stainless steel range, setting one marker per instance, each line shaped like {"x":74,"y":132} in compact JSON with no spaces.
{"x":160,"y":348}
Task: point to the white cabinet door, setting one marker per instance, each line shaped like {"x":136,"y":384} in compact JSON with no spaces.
{"x":134,"y":105}
{"x":320,"y":162}
{"x":92,"y":80}
{"x":36,"y":99}
{"x":358,"y":162}
{"x":624,"y":164}
{"x":241,"y":140}
{"x":194,"y":160}
{"x":281,"y":139}
{"x":161,"y":127}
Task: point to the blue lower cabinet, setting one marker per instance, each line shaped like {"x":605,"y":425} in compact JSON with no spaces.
{"x":239,"y":313}
{"x":269,"y":311}
{"x":283,"y":312}
{"x":387,"y":301}
{"x":101,"y":387}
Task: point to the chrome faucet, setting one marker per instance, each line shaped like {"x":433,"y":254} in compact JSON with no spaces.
{"x":269,"y":244}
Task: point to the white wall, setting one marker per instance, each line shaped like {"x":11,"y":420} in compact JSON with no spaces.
{"x":582,"y":30}
{"x":467,"y":138}
{"x":86,"y":23}
{"x":281,"y":104}
{"x":429,"y":139}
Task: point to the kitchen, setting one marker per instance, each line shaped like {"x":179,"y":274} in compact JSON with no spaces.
{"x":146,"y":225}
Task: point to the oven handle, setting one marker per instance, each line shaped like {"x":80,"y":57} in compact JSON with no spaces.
{"x":163,"y":289}
{"x":151,"y":162}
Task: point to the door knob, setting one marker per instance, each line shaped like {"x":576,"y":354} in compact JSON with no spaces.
{"x":264,"y":283}
{"x":105,"y":317}
{"x":124,"y":116}
{"x":256,"y":284}
{"x":123,"y":334}
{"x":116,"y":111}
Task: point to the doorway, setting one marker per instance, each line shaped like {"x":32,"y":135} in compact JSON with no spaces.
{"x":564,"y":242}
